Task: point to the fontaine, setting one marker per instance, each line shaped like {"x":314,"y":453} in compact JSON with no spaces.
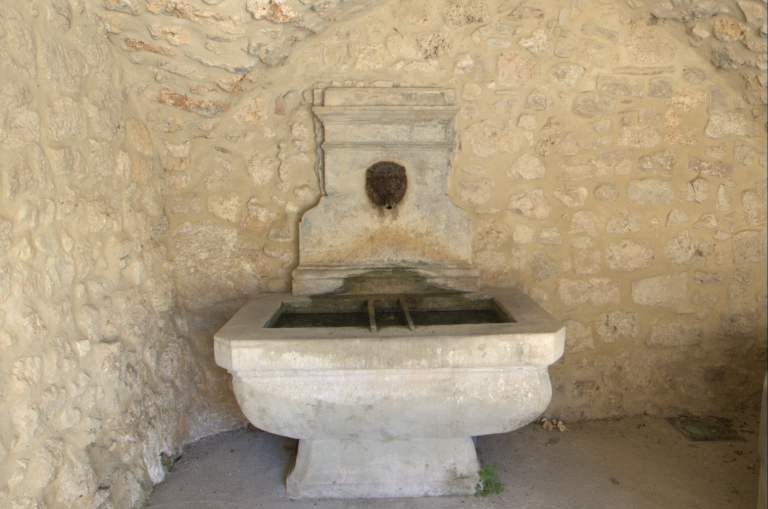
{"x":388,"y":359}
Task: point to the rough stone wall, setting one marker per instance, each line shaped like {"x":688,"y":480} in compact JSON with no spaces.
{"x":156,"y":157}
{"x":98,"y":377}
{"x":611,"y":157}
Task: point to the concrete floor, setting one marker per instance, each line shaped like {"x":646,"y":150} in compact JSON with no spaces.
{"x":631,"y":463}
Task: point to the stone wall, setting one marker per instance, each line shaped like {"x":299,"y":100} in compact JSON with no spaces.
{"x":157,"y":156}
{"x":98,"y":373}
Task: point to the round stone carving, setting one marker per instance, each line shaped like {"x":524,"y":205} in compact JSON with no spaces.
{"x":385,"y":183}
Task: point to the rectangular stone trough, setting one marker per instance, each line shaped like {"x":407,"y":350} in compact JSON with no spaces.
{"x":390,"y":409}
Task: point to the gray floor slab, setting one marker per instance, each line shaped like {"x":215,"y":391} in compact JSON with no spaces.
{"x":633,"y":463}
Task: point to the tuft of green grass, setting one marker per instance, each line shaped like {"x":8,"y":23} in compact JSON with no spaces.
{"x":489,"y":482}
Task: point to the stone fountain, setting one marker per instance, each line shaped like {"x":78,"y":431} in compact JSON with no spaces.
{"x":387,"y":359}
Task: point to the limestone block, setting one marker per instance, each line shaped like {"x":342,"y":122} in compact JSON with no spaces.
{"x":585,"y":221}
{"x":476,"y":192}
{"x":22,"y":128}
{"x":753,"y":206}
{"x":225,"y":207}
{"x":749,"y":246}
{"x":261,"y":169}
{"x":257,"y":217}
{"x":673,"y":333}
{"x":572,"y":197}
{"x":738,"y":323}
{"x":649,"y":116}
{"x":523,"y":234}
{"x":596,"y":291}
{"x":616,"y":325}
{"x":696,"y":190}
{"x":614,"y":163}
{"x":669,"y":290}
{"x":693,"y":75}
{"x":543,"y":266}
{"x":725,"y":58}
{"x":17,"y":46}
{"x":684,"y":250}
{"x":686,"y":100}
{"x":730,"y":124}
{"x":628,"y":255}
{"x":593,"y":104}
{"x":66,"y":119}
{"x":743,"y":154}
{"x":486,"y":139}
{"x":660,"y":87}
{"x":708,"y":221}
{"x":538,"y":100}
{"x":650,"y":191}
{"x":714,"y":168}
{"x":533,"y":204}
{"x":413,"y":12}
{"x":659,"y":162}
{"x":729,"y":29}
{"x":586,"y":262}
{"x":639,"y":136}
{"x":650,"y":45}
{"x":624,"y":221}
{"x":183,"y":204}
{"x":620,"y":85}
{"x":515,"y":70}
{"x":567,"y":73}
{"x":753,"y":11}
{"x":578,"y":337}
{"x":601,"y":32}
{"x":491,"y":234}
{"x":607,"y":192}
{"x":537,"y":43}
{"x":550,"y":237}
{"x":461,"y":15}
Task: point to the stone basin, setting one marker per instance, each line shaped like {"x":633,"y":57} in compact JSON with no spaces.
{"x":390,"y":413}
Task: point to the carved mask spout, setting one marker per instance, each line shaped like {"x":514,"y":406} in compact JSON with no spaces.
{"x":385,"y":183}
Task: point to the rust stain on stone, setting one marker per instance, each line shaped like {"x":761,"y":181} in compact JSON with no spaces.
{"x":136,"y":45}
{"x":204,"y":107}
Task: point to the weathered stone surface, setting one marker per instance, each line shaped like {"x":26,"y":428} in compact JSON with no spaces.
{"x":673,"y":333}
{"x":708,"y":221}
{"x":616,"y":325}
{"x":486,"y":139}
{"x":550,"y":237}
{"x":693,"y":75}
{"x":523,"y":234}
{"x":179,"y":9}
{"x":585,"y":221}
{"x":749,"y":246}
{"x":66,"y":68}
{"x":684,"y":250}
{"x":596,"y":291}
{"x":730,"y":124}
{"x":665,"y":291}
{"x":619,"y":85}
{"x":649,"y":116}
{"x":753,"y":11}
{"x":461,"y":15}
{"x":476,"y":192}
{"x":628,"y":255}
{"x":738,"y":323}
{"x":725,"y":58}
{"x":567,"y":73}
{"x":659,"y":162}
{"x":753,"y":206}
{"x":743,"y":154}
{"x":729,"y":29}
{"x":600,"y":32}
{"x":713,"y":168}
{"x":593,"y":104}
{"x":586,"y":262}
{"x":202,"y":283}
{"x":533,"y":204}
{"x":272,"y":10}
{"x":578,"y":337}
{"x":624,"y":221}
{"x":572,"y":197}
{"x":677,"y":217}
{"x":650,"y":45}
{"x":661,"y":87}
{"x":537,"y":42}
{"x":607,"y":192}
{"x":515,"y":70}
{"x":66,"y":119}
{"x":543,"y":266}
{"x":538,"y":100}
{"x":183,"y":204}
{"x":174,"y":35}
{"x":686,"y":100}
{"x":696,"y":190}
{"x":203,"y":107}
{"x":650,"y":191}
{"x":639,"y":136}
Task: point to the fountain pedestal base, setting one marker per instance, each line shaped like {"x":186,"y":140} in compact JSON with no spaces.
{"x":353,"y":468}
